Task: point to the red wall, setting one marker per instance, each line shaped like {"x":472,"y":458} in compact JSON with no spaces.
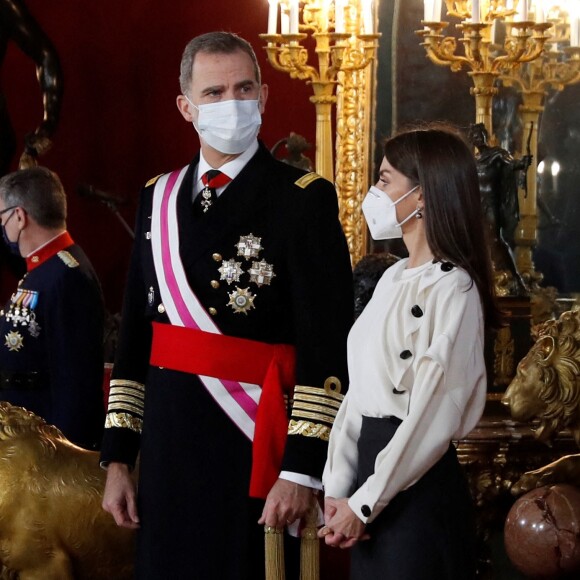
{"x":119,"y":123}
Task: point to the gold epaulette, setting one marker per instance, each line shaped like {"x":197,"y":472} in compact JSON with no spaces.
{"x":125,"y":408}
{"x":67,"y":258}
{"x":153,"y":180}
{"x":315,"y":408}
{"x":307,"y":179}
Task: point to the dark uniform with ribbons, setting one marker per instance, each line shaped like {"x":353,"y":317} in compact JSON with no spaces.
{"x":269,"y":264}
{"x":51,"y":342}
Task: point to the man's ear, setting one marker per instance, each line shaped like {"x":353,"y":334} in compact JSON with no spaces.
{"x":22,"y":217}
{"x":263,"y":98}
{"x":185,"y":108}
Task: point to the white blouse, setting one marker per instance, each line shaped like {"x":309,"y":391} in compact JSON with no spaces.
{"x":416,"y":352}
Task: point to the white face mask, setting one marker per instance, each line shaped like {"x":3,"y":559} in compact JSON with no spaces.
{"x":228,"y":126}
{"x":381,"y":214}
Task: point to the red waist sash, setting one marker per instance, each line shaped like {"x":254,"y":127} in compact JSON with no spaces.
{"x":242,"y":360}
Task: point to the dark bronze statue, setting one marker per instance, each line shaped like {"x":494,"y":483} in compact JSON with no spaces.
{"x":295,"y":145}
{"x":17,"y":25}
{"x":498,"y":182}
{"x":366,"y":275}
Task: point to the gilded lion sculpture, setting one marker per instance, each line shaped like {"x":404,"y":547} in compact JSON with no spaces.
{"x":547,"y":387}
{"x":52,"y":526}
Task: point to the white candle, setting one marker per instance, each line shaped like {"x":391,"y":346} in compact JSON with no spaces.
{"x":432,"y":10}
{"x":539,"y":12}
{"x":339,"y":16}
{"x":293,"y":16}
{"x":437,"y":11}
{"x":284,"y":21}
{"x":367,"y":16}
{"x":522,"y":11}
{"x":427,"y":10}
{"x":575,"y":32}
{"x":475,"y":11}
{"x":273,"y":17}
{"x":574,"y":17}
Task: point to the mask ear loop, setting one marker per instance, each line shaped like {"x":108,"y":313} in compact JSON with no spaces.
{"x":413,"y":214}
{"x":189,"y":101}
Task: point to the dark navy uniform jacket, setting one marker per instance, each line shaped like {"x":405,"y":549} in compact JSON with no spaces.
{"x":51,"y":342}
{"x":195,"y":463}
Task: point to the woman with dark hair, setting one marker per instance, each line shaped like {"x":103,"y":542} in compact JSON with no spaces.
{"x":395,"y":491}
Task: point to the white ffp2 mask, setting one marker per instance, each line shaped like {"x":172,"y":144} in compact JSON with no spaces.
{"x":381,"y":214}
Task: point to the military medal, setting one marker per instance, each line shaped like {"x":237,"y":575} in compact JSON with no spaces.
{"x":206,"y":201}
{"x":33,"y":326}
{"x":14,"y":341}
{"x":241,"y":300}
{"x":261,"y":273}
{"x":151,"y":296}
{"x":22,"y":306}
{"x":249,"y":246}
{"x":230,"y":271}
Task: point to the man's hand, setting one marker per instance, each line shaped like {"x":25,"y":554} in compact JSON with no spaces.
{"x":286,"y":502}
{"x":343,"y":528}
{"x":119,"y":498}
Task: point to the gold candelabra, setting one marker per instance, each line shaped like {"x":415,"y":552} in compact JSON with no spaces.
{"x":524,"y":42}
{"x":558,"y":67}
{"x":342,"y":35}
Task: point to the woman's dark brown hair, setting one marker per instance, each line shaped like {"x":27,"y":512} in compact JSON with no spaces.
{"x":437,"y":158}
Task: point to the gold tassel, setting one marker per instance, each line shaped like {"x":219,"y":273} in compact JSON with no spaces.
{"x":309,"y":546}
{"x":274,"y":540}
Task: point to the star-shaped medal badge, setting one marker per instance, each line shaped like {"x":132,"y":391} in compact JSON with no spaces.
{"x":14,"y":341}
{"x":241,"y":300}
{"x":230,"y":271}
{"x":261,"y":273}
{"x":249,"y":246}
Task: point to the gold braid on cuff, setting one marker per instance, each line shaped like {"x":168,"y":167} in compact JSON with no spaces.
{"x":125,"y":421}
{"x":314,"y":409}
{"x":125,"y":405}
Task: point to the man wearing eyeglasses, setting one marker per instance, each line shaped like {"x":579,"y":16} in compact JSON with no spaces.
{"x":51,"y":329}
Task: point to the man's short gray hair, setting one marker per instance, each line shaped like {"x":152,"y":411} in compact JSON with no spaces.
{"x":213,"y":43}
{"x":40,"y":192}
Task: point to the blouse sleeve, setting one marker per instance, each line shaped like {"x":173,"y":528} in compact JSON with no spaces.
{"x":339,"y":474}
{"x":447,"y":398}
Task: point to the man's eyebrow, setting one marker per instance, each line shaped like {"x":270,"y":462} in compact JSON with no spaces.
{"x":245,"y":82}
{"x":238,"y":85}
{"x":212,"y":89}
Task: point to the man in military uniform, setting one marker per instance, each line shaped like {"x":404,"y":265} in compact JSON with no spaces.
{"x":51,"y":329}
{"x":231,"y":361}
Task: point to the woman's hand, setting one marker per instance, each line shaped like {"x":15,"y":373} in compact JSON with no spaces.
{"x":343,"y":528}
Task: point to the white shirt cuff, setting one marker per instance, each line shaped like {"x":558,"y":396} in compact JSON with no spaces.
{"x":301,"y":479}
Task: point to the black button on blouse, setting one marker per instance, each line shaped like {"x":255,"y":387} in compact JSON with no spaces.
{"x":416,"y":311}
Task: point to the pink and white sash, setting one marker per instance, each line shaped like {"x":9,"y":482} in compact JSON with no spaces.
{"x":239,"y":400}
